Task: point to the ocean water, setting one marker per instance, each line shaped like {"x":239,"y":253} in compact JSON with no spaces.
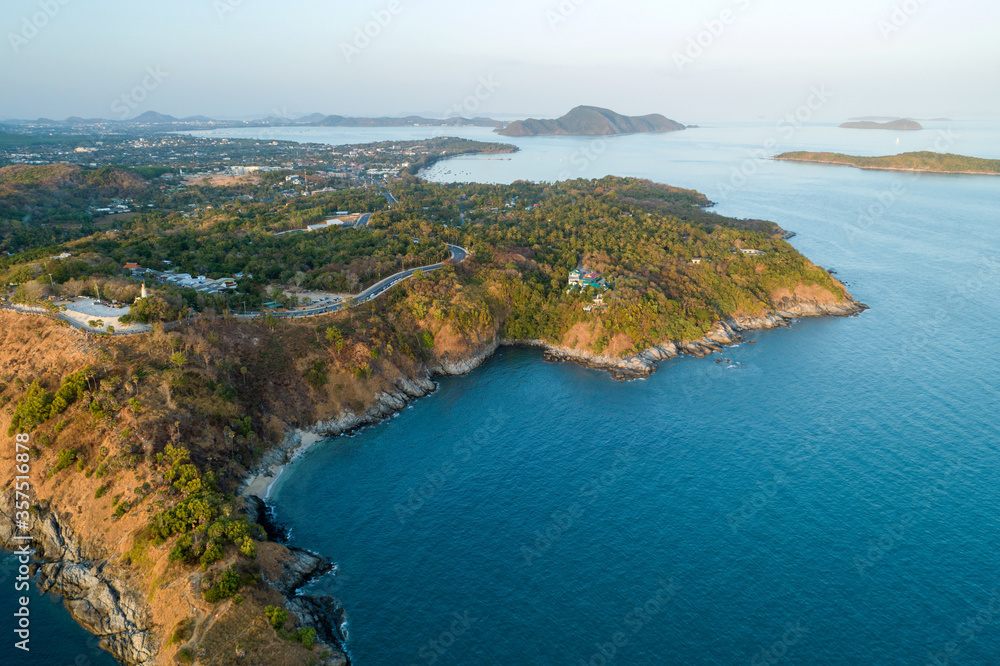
{"x":832,"y":500}
{"x":56,"y":639}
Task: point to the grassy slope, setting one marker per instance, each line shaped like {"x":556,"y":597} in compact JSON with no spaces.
{"x":193,"y":406}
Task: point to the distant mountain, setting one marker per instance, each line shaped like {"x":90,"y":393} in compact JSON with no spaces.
{"x":898,"y":125}
{"x":76,"y":120}
{"x":153,"y":118}
{"x":311,"y":118}
{"x":408,"y":121}
{"x":592,"y":120}
{"x":196,"y":119}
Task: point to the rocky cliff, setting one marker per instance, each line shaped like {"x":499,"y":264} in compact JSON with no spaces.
{"x":97,"y":596}
{"x":138,"y":605}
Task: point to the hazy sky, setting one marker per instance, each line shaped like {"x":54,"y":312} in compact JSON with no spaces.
{"x":240,"y":58}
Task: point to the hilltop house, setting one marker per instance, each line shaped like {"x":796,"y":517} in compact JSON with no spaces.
{"x":750,"y":252}
{"x":584,"y":279}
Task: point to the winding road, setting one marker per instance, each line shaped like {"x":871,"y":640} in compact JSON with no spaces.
{"x":458,"y":255}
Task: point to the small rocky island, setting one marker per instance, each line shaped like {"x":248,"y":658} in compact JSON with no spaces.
{"x":901,"y":125}
{"x":592,"y":121}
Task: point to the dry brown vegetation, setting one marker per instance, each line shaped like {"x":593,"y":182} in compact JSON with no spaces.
{"x":226,"y":390}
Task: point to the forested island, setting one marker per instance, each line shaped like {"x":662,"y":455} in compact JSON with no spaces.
{"x":592,"y":121}
{"x":924,"y":161}
{"x":142,"y":446}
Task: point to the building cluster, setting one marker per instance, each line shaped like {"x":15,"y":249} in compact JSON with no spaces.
{"x":582,"y":279}
{"x":199,"y":283}
{"x":115,"y":207}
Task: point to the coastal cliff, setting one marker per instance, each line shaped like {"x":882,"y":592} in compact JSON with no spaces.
{"x":143,"y":446}
{"x":630,"y":367}
{"x":723,"y":334}
{"x":91,"y":512}
{"x":97,"y":596}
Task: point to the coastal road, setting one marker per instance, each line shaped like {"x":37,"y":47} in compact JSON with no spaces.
{"x":363,"y":221}
{"x":458,"y":255}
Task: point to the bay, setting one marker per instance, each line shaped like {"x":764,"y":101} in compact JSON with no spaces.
{"x":832,"y":501}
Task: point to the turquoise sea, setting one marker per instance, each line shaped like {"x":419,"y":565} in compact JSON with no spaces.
{"x":832,"y":501}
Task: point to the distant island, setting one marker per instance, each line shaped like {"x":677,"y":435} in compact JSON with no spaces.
{"x":592,"y":121}
{"x":154,"y":119}
{"x":408,"y":121}
{"x":581,"y":121}
{"x":923,"y":161}
{"x":899,"y":125}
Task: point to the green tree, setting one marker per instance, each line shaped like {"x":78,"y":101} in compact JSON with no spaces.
{"x":276,"y":616}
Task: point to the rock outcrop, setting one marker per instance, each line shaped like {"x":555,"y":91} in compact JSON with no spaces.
{"x":722,"y":335}
{"x":101,"y":601}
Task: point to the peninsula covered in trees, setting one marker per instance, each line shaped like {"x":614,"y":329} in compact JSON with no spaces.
{"x":921,"y":161}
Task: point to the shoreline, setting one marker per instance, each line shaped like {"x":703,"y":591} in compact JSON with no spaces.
{"x":724,"y":334}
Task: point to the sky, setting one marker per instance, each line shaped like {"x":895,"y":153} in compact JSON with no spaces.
{"x":695,"y":62}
